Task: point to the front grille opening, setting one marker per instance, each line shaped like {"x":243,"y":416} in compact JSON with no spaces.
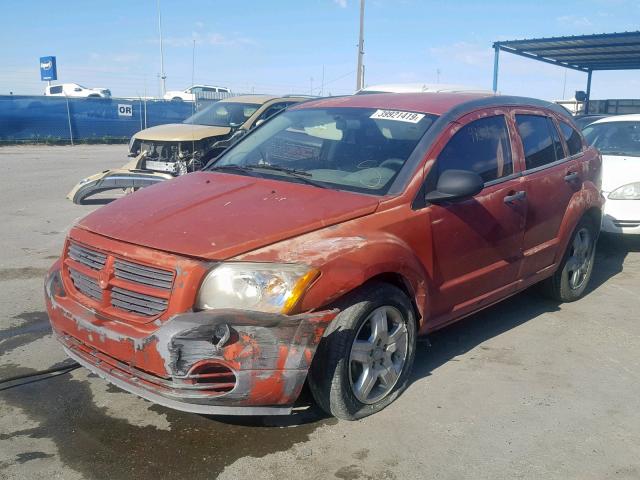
{"x":135,"y":272}
{"x":215,"y":375}
{"x":87,"y":257}
{"x":136,"y":302}
{"x":86,"y":285}
{"x":626,"y":223}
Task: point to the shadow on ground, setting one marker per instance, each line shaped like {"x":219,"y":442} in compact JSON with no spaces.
{"x":91,"y":441}
{"x":467,"y":334}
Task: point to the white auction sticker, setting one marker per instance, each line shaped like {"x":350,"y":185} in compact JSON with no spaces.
{"x":398,"y":115}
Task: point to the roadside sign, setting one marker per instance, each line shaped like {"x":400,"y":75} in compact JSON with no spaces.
{"x":48,"y":70}
{"x":125,"y":110}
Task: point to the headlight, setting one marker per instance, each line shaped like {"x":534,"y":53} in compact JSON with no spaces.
{"x":264,"y":287}
{"x":630,"y":191}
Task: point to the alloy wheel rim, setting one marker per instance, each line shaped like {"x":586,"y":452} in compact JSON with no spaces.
{"x":579,"y":259}
{"x":378,"y":354}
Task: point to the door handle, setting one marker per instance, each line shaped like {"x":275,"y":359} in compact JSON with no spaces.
{"x":515,"y":196}
{"x":571,"y":177}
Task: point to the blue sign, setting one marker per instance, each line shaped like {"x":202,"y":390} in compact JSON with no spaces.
{"x":48,"y":69}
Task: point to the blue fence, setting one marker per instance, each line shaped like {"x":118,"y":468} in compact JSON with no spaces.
{"x":37,"y":118}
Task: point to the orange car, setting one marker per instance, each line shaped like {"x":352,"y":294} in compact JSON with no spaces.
{"x":321,"y":245}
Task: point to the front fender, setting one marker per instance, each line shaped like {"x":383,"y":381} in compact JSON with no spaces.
{"x":348,"y":261}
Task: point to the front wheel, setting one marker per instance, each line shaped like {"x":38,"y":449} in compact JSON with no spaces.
{"x":570,"y":281}
{"x":364,"y":363}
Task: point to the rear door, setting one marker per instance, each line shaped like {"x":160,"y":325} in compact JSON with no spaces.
{"x":476,"y":243}
{"x":551,"y":179}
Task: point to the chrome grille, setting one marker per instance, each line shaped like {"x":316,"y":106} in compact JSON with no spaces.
{"x":134,"y":272}
{"x":137,"y":302}
{"x":87,"y":285}
{"x":90,"y":258}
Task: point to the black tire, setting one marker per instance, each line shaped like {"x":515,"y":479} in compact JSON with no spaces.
{"x":330,"y":375}
{"x":176,"y":99}
{"x":560,"y":285}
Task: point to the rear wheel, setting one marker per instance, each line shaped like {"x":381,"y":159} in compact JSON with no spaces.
{"x":364,"y":363}
{"x":572,"y":277}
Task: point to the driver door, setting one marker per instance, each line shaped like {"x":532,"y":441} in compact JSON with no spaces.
{"x":477,"y":242}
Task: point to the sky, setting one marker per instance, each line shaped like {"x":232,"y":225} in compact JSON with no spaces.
{"x":295,"y":46}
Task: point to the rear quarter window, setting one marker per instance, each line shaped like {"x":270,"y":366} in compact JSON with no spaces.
{"x":572,"y":137}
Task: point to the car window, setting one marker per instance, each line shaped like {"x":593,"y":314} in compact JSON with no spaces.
{"x":539,"y":145}
{"x":224,"y":114}
{"x":557,"y":144}
{"x":272,"y":110}
{"x":615,"y":138}
{"x":572,"y":137}
{"x":358,"y":149}
{"x":481,"y":146}
{"x":56,"y":89}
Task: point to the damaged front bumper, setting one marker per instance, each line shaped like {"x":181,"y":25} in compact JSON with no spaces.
{"x":226,"y":362}
{"x":114,"y":180}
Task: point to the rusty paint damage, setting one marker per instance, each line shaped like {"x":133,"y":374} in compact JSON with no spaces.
{"x":267,"y":355}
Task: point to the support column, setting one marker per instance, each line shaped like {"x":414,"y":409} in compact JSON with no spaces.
{"x":495,"y":68}
{"x":586,"y":102}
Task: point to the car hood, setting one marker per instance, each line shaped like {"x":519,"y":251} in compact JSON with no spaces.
{"x":618,"y":170}
{"x":181,"y":132}
{"x":217,"y":216}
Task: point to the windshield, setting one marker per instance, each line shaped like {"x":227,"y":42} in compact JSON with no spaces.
{"x":357,"y":149}
{"x":614,"y":138}
{"x":224,"y":114}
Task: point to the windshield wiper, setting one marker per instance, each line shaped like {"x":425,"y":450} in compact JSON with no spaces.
{"x":290,"y":172}
{"x":251,"y":169}
{"x":231,"y":167}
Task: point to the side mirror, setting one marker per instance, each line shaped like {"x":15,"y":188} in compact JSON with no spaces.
{"x":455,"y":185}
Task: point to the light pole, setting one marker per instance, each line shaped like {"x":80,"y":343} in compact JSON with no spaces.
{"x":360,"y":72}
{"x":163,"y":77}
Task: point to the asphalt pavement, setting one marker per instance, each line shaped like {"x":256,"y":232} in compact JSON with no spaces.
{"x":527,"y":389}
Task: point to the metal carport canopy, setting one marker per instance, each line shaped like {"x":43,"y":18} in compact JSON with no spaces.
{"x":585,"y":53}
